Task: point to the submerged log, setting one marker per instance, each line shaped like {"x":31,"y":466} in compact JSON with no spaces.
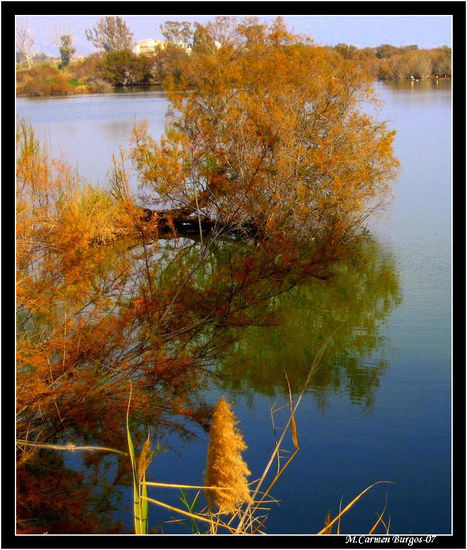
{"x":167,"y":224}
{"x":182,"y":222}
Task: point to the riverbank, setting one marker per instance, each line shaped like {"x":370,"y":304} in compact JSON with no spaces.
{"x":48,"y":81}
{"x":115,"y":69}
{"x":55,"y":88}
{"x":66,"y":87}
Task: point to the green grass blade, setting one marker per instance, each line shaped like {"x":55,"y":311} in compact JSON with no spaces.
{"x":191,"y":508}
{"x":144,"y":508}
{"x":131,"y":449}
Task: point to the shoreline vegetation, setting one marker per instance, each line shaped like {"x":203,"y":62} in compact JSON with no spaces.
{"x":102,"y":72}
{"x":263,"y":141}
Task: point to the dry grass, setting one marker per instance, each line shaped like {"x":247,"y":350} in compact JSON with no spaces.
{"x":242,"y":508}
{"x":248,"y":508}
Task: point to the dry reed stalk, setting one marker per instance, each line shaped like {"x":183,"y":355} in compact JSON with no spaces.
{"x":327,"y":521}
{"x":380,"y":519}
{"x":68,"y":447}
{"x":247,"y":515}
{"x":347,"y":508}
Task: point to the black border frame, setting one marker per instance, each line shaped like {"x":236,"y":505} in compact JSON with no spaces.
{"x":457,"y":9}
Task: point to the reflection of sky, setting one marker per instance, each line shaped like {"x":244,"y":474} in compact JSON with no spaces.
{"x":406,"y":438}
{"x":88,"y":130}
{"x":419,"y":225}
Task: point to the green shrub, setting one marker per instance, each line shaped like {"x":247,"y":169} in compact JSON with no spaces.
{"x":124,"y":68}
{"x":75,"y":82}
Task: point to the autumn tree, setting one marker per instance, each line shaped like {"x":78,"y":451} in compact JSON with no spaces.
{"x":124,"y":68}
{"x":386,"y":50}
{"x":412,"y":64}
{"x":271,"y":134}
{"x":420,"y":63}
{"x":203,"y":42}
{"x":408,"y":48}
{"x":270,"y":137}
{"x":441,"y":58}
{"x":169,"y":62}
{"x":110,"y":34}
{"x":63,"y":40}
{"x":101,"y":300}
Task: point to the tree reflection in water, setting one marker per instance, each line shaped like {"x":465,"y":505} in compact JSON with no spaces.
{"x":270,"y":142}
{"x":346,"y":311}
{"x":246,"y":314}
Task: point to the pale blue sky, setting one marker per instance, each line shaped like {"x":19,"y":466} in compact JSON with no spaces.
{"x":426,"y":31}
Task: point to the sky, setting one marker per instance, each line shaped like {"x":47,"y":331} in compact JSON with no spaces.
{"x":361,"y":31}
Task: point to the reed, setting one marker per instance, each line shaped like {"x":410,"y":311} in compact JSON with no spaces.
{"x":234,"y":506}
{"x":225,"y":466}
{"x":67,"y":447}
{"x":248,"y":514}
{"x":139,"y":467}
{"x":246,"y":505}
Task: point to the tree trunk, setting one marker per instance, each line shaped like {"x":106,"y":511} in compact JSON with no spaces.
{"x":182,"y":222}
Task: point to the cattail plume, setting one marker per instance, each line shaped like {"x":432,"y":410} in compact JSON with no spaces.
{"x":225,"y":465}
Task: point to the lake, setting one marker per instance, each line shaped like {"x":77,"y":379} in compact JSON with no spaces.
{"x":380,"y":408}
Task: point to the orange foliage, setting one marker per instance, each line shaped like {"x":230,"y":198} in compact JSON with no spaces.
{"x":55,"y":499}
{"x":271,"y":131}
{"x":97,"y":306}
{"x":85,"y":313}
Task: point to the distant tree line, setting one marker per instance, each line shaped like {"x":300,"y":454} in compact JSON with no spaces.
{"x":116,"y":64}
{"x":390,"y":62}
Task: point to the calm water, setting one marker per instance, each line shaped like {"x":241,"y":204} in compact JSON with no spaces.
{"x":381,"y":407}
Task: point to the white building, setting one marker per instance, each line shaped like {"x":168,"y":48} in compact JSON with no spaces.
{"x":148,"y":46}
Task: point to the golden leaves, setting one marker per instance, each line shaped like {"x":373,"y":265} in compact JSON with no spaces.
{"x":278,"y":118}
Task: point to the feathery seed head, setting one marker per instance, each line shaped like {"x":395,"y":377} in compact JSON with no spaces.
{"x":225,"y":465}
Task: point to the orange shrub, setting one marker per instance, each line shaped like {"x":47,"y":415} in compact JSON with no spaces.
{"x":42,"y":80}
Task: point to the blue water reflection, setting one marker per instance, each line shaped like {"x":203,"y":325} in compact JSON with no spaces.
{"x":405,"y":436}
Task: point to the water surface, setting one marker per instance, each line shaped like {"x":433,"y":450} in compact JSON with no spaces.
{"x":380,"y":408}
